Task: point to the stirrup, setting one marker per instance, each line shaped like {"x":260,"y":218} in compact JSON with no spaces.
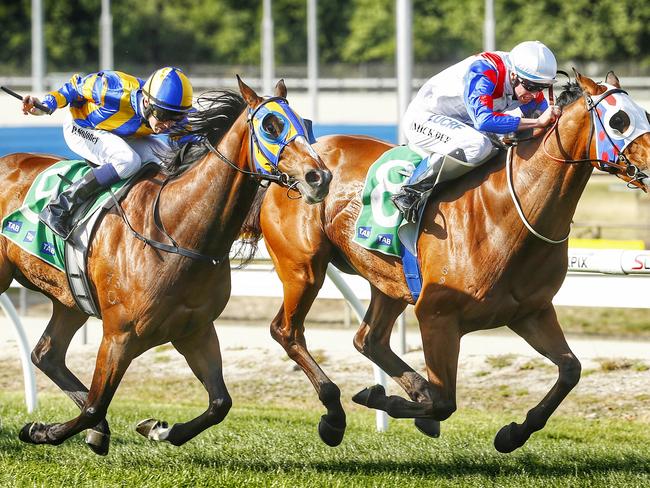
{"x":58,"y":225}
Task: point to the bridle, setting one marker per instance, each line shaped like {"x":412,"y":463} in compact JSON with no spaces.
{"x":275,"y":175}
{"x":622,"y":166}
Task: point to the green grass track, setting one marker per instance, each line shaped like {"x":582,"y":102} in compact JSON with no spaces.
{"x":261,"y":445}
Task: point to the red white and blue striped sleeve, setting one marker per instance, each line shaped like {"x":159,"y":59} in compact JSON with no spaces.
{"x":485,"y":82}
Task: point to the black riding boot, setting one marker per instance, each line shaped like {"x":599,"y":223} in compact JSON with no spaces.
{"x":57,"y":214}
{"x":413,"y":195}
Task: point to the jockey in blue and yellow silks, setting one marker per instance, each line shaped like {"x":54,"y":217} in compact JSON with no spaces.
{"x":112,"y":123}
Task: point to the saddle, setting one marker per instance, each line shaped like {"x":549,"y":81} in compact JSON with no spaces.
{"x":77,"y":244}
{"x":24,"y":229}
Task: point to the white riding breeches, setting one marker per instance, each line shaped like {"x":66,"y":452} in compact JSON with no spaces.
{"x":436,"y":133}
{"x":100,"y":147}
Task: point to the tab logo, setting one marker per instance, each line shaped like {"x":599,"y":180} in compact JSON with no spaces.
{"x":29,"y":237}
{"x":13,"y":226}
{"x":364,"y":232}
{"x":47,"y":248}
{"x":385,"y":239}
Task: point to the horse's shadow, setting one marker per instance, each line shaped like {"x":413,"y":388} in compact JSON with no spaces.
{"x":492,"y":466}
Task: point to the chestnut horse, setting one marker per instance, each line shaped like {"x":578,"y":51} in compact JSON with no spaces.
{"x":148,"y":297}
{"x":481,"y":267}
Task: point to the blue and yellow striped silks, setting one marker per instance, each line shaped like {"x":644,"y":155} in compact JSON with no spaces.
{"x":266,"y":147}
{"x":108,"y":100}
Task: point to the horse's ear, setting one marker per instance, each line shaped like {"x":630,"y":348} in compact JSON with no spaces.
{"x":587,"y":84}
{"x":281,"y":89}
{"x":612,"y":79}
{"x":250,"y":97}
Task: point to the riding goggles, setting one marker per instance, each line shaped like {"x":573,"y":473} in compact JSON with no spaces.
{"x":531,"y":86}
{"x":163,"y":115}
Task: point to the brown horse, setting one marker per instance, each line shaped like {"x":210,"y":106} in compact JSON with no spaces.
{"x":148,"y":297}
{"x":481,"y":267}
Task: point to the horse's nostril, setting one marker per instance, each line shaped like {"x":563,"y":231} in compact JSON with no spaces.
{"x":313,"y":177}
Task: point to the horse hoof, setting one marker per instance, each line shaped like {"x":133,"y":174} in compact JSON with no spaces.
{"x":428,"y":427}
{"x":365,"y":396}
{"x":152,"y":429}
{"x":98,"y":442}
{"x":26,"y":432}
{"x":504,"y":442}
{"x":329,"y":434}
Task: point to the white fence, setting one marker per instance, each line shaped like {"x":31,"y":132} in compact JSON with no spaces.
{"x":596,"y":278}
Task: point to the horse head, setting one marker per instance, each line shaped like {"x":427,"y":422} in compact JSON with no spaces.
{"x":620,"y":130}
{"x":280,"y":144}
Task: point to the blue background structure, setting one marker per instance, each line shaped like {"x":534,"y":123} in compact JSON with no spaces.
{"x":49,"y":140}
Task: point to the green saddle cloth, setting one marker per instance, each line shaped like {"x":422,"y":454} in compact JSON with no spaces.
{"x":377,"y":224}
{"x":23,"y":227}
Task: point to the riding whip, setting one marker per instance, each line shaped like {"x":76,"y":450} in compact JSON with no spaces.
{"x":38,"y":105}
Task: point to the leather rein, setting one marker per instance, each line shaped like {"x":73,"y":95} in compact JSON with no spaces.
{"x":277,"y":176}
{"x":622,"y":165}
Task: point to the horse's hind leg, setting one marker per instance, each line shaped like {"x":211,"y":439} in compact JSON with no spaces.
{"x":201,"y":350}
{"x":373,"y":341}
{"x":49,"y":356}
{"x":542,"y":331}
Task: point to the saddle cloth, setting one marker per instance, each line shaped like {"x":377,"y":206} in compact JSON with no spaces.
{"x":378,"y":222}
{"x":24,"y":229}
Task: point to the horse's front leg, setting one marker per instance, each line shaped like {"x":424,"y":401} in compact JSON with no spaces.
{"x":203,"y":355}
{"x":49,"y":356}
{"x":287,"y":329}
{"x":373,"y":341}
{"x":113,"y":359}
{"x":542,"y":331}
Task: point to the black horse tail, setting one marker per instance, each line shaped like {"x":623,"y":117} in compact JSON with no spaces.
{"x":251,"y":231}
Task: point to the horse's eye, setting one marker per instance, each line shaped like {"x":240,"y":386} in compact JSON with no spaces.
{"x":620,"y":121}
{"x":647,"y":116}
{"x":268,"y":127}
{"x":273,"y":126}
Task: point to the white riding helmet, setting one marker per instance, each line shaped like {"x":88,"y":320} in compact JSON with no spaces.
{"x":533,"y":61}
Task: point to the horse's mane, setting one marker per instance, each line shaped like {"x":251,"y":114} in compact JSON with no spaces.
{"x":570,"y":93}
{"x":217,"y":112}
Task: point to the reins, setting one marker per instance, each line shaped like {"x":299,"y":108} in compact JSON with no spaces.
{"x":623,"y":164}
{"x":161,"y":246}
{"x":279,"y":177}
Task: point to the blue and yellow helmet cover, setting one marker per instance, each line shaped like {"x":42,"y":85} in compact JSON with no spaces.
{"x":266,"y":148}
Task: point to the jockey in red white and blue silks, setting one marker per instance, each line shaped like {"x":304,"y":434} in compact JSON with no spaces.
{"x":454,"y":109}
